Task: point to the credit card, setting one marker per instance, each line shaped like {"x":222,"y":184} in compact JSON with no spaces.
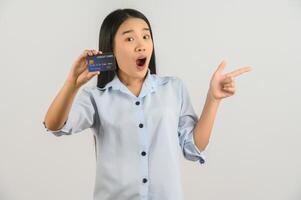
{"x":101,"y":62}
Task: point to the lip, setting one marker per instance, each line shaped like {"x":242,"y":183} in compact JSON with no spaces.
{"x":140,"y":68}
{"x":140,"y":57}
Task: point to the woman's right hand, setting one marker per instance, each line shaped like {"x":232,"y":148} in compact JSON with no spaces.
{"x":79,"y":74}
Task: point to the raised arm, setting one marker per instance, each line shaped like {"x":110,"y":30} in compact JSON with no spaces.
{"x":59,"y":109}
{"x":221,"y":86}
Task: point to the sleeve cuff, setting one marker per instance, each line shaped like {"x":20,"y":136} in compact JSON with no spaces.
{"x":200,"y":154}
{"x":192,"y":152}
{"x":58,"y":132}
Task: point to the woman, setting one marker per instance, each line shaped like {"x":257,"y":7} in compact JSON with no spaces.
{"x":139,"y":119}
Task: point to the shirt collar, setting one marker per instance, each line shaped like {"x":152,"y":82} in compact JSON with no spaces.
{"x":147,"y":87}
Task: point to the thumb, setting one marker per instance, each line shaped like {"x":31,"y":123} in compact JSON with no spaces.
{"x":92,"y":74}
{"x":221,"y":66}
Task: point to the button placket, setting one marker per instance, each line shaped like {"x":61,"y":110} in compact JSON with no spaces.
{"x":142,"y":134}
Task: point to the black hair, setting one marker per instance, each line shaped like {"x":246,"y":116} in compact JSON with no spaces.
{"x":107,"y":34}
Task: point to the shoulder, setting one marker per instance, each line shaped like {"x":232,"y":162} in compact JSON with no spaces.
{"x":90,"y":91}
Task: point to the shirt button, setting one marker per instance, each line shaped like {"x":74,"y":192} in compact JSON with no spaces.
{"x":140,"y":125}
{"x":137,"y":103}
{"x":144,"y":180}
{"x":143,"y":153}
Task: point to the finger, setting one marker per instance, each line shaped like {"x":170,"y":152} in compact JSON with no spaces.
{"x":90,"y":53}
{"x":240,"y":71}
{"x":221,"y":66}
{"x":228,"y":79}
{"x":85,"y":53}
{"x":229,"y":89}
{"x":95,"y":52}
{"x":228,"y":85}
{"x":92,"y":74}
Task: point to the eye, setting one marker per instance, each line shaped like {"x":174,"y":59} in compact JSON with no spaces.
{"x":146,"y":36}
{"x":129,"y":39}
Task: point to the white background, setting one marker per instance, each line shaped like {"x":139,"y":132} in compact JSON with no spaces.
{"x":254,"y":151}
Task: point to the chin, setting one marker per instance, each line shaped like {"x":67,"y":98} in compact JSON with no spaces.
{"x":141,"y":74}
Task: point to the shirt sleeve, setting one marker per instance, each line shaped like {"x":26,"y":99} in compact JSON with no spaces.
{"x":81,"y":115}
{"x":187,"y":122}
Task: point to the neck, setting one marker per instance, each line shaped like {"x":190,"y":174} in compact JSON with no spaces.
{"x":133,"y":84}
{"x":130,"y":81}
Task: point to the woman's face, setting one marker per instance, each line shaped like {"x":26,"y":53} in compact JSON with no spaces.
{"x":133,"y":47}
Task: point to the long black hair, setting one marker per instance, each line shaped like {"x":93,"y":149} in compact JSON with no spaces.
{"x":107,"y":33}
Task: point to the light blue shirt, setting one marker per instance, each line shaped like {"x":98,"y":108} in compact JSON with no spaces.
{"x":138,"y":139}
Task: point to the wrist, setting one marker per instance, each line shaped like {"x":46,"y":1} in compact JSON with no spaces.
{"x":212,"y":99}
{"x":71,"y":85}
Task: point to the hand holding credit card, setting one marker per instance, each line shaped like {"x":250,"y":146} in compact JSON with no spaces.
{"x":101,"y":62}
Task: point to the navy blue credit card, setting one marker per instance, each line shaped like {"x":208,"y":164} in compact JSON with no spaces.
{"x":101,"y":62}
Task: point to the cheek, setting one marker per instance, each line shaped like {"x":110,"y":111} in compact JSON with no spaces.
{"x":122,"y":55}
{"x":151,"y":47}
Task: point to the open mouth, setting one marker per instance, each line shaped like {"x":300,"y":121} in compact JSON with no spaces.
{"x":141,"y":61}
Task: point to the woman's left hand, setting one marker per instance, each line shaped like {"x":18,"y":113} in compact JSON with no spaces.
{"x":223,"y":85}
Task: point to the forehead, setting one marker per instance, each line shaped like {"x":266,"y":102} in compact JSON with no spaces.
{"x":135,"y":24}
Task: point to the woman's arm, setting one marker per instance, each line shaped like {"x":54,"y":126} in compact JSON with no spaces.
{"x":202,"y":130}
{"x":221,"y":86}
{"x":58,"y":111}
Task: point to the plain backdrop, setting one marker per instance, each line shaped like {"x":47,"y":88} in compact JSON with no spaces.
{"x":254,"y":151}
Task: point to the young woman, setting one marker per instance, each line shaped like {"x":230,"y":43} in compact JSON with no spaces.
{"x":140,"y":120}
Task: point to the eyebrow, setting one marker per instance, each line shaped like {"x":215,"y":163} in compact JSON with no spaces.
{"x":131,"y":30}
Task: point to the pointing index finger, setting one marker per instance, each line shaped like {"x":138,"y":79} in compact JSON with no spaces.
{"x":240,"y":71}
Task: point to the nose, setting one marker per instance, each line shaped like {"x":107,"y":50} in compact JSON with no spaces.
{"x":140,"y":47}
